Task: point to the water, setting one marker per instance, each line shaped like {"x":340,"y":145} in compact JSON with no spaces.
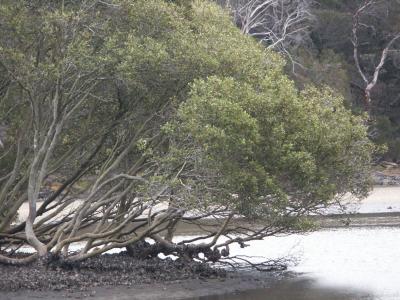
{"x":301,"y":289}
{"x":358,"y":263}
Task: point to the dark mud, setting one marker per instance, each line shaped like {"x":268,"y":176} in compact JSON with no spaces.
{"x":194,"y":288}
{"x":235,"y":286}
{"x":105,"y":270}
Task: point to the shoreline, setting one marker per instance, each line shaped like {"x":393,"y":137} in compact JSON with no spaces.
{"x":380,"y":199}
{"x":385,"y":219}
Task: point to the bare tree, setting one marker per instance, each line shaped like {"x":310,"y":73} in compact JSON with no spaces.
{"x":370,"y":80}
{"x":281,"y":25}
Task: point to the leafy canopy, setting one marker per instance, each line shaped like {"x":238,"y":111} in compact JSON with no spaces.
{"x":231,"y":121}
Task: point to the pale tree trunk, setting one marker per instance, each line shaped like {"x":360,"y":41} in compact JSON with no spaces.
{"x":369,"y":81}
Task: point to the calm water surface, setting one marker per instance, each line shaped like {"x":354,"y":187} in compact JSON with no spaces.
{"x":341,"y":264}
{"x":301,"y":289}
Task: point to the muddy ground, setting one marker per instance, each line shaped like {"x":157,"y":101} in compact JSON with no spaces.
{"x":234,"y":286}
{"x":192,"y":288}
{"x":105,"y":270}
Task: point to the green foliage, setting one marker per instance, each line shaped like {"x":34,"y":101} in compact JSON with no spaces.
{"x":267,"y":139}
{"x":231,"y":118}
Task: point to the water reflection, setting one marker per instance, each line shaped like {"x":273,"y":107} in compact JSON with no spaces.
{"x":300,"y":289}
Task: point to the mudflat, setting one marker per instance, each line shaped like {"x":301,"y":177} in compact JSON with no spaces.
{"x":57,"y":279}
